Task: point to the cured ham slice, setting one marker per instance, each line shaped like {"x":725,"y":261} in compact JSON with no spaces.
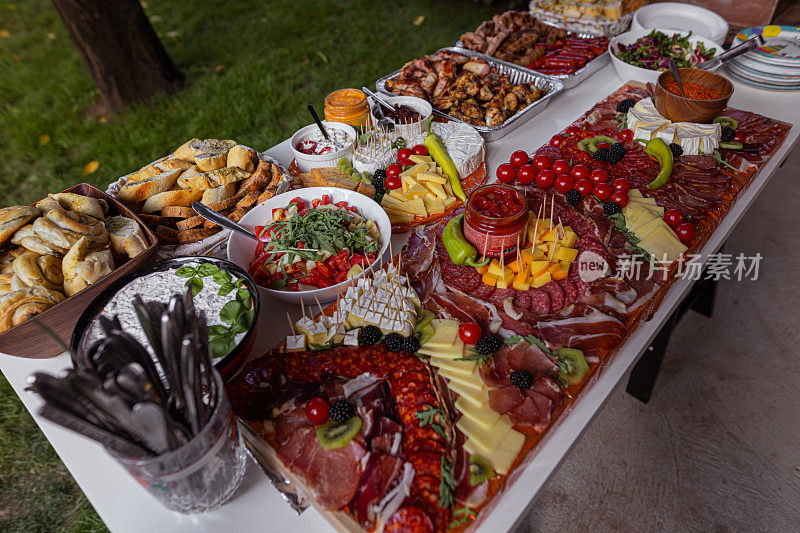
{"x":333,"y":475}
{"x":583,"y":327}
{"x":380,"y":474}
{"x":525,"y":356}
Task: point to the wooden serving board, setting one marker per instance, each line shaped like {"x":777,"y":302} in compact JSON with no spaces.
{"x":31,"y":341}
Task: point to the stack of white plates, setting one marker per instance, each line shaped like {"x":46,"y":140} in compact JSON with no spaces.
{"x":776,"y":65}
{"x":700,"y":21}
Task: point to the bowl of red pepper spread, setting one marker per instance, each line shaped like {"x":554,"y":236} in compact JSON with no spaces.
{"x":707,"y":95}
{"x":495,"y":219}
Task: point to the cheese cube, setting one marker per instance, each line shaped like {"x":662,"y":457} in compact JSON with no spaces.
{"x":515,"y":266}
{"x":295,"y":343}
{"x":450,"y":200}
{"x":477,"y":398}
{"x":539,"y":267}
{"x":495,"y":268}
{"x":565,"y":254}
{"x":489,"y":279}
{"x":548,"y":236}
{"x":436,"y":189}
{"x":541,"y":280}
{"x":421,"y":158}
{"x":569,"y":239}
{"x":506,"y":279}
{"x":351,"y":338}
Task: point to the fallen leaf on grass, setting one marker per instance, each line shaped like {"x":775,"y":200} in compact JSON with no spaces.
{"x":219,"y":68}
{"x":91,"y":167}
{"x":5,"y":33}
{"x":419,"y":20}
{"x":322,"y":56}
{"x":44,"y":139}
{"x":102,"y":120}
{"x":17,"y":58}
{"x":51,"y":35}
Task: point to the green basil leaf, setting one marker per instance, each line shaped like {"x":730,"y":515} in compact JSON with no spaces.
{"x":221,"y":346}
{"x":185,"y":272}
{"x":207,"y":269}
{"x":239,"y":325}
{"x":216,"y":331}
{"x":243,"y":296}
{"x":242,"y":284}
{"x":225,"y":288}
{"x":230,"y":311}
{"x":196,"y":284}
{"x":222,"y":277}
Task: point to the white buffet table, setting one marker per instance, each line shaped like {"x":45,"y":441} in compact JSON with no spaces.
{"x":125,"y":507}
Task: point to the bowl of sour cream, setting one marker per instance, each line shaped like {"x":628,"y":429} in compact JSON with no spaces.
{"x":312,"y":150}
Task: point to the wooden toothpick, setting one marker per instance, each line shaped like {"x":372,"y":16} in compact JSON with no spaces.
{"x":291,"y":323}
{"x":303,"y":308}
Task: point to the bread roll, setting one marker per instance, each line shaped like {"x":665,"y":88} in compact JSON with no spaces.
{"x":183,"y":197}
{"x":208,"y":162}
{"x":242,"y":157}
{"x":173,"y":163}
{"x":196,"y":181}
{"x":138,"y":191}
{"x":15,"y":217}
{"x":143,"y":173}
{"x":227,"y":175}
{"x":81,"y":204}
{"x":126,"y":235}
{"x":218,"y":194}
{"x":186,"y":151}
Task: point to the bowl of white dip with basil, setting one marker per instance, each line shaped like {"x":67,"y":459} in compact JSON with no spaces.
{"x":223,"y":292}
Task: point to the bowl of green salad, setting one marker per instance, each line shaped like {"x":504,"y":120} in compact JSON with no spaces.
{"x":642,"y":55}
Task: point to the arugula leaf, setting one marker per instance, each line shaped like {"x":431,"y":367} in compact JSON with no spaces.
{"x":429,"y":416}
{"x":196,"y":285}
{"x":185,"y":271}
{"x":462,"y":516}
{"x":447,"y":486}
{"x":230,"y":311}
{"x":475,"y":355}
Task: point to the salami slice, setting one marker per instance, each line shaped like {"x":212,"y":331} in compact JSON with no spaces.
{"x":409,"y":519}
{"x":556,"y":296}
{"x":570,"y":291}
{"x":540,"y":301}
{"x":463,"y":278}
{"x":482,"y":292}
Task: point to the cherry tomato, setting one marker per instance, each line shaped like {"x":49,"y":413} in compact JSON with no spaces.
{"x":673,"y":217}
{"x":620,"y":197}
{"x":625,"y":136}
{"x":469,"y":332}
{"x":403,"y":155}
{"x":563,"y":183}
{"x":506,"y":173}
{"x":621,"y":185}
{"x":572,"y":130}
{"x":584,"y":187}
{"x":560,"y":166}
{"x":598,"y":175}
{"x":579,"y":172}
{"x":393,"y":170}
{"x":686,"y":232}
{"x":740,"y":137}
{"x":519,"y":158}
{"x":317,"y":410}
{"x":545,"y":178}
{"x":420,"y":149}
{"x":392,"y":182}
{"x":556,"y":140}
{"x":526,"y":174}
{"x":542,"y":162}
{"x":605,"y":146}
{"x":602,"y":191}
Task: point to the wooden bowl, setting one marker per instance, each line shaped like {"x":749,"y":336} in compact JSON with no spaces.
{"x":679,"y":108}
{"x":28,"y":339}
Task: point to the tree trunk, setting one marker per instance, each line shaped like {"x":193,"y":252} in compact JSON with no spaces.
{"x":126,"y":59}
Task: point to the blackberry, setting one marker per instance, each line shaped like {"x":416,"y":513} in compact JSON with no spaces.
{"x":488,"y":344}
{"x":676,"y":149}
{"x":601,"y":154}
{"x":618,"y":148}
{"x":573,"y":197}
{"x":611,"y":208}
{"x":394,"y":342}
{"x":378,"y":181}
{"x":521,"y":379}
{"x":411,"y":344}
{"x":625,"y":105}
{"x":728,"y":133}
{"x":369,"y":335}
{"x":341,"y":411}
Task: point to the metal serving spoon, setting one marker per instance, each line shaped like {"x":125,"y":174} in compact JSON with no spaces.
{"x":750,"y":44}
{"x":385,"y":121}
{"x":674,"y":69}
{"x":209,"y":214}
{"x":318,"y":121}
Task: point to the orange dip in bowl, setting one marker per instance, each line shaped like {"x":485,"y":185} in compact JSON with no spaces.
{"x":693,"y":90}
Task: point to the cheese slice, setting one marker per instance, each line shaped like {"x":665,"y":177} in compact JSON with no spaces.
{"x":643,"y":201}
{"x":445,"y":332}
{"x":464,"y":368}
{"x":504,"y":455}
{"x":663,"y":244}
{"x":646,"y":229}
{"x":454,"y":351}
{"x":421,"y":158}
{"x":431,"y":176}
{"x":634,"y":193}
{"x":645,"y":218}
{"x":487,"y":437}
{"x":484,"y":416}
{"x":472,"y":381}
{"x":477,"y":398}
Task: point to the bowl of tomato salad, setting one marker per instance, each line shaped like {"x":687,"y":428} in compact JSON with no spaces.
{"x":312,"y":243}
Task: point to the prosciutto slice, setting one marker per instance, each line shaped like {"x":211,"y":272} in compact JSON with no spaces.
{"x":333,"y":475}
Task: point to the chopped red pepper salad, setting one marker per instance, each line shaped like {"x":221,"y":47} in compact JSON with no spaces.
{"x":316,"y":244}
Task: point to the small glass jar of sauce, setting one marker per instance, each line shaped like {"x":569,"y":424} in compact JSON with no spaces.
{"x":494,"y":220}
{"x":348,"y":106}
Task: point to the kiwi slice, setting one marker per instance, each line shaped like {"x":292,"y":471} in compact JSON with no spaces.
{"x":425,"y":333}
{"x":583,"y":144}
{"x":597,"y":139}
{"x":727,"y":122}
{"x":424,"y":317}
{"x":479,"y":470}
{"x":572,"y":365}
{"x":731,"y":145}
{"x":333,"y":435}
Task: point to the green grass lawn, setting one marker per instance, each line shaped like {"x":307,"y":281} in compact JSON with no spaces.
{"x":252,"y":67}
